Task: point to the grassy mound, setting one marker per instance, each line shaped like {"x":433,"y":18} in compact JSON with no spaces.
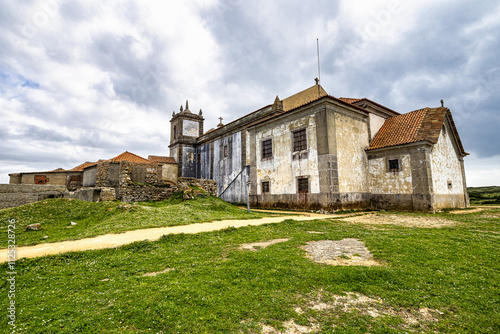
{"x":92,"y":219}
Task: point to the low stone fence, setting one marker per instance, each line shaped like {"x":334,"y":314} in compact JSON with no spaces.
{"x":12,"y":195}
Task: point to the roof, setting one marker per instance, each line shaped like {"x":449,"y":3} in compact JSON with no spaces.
{"x":161,"y":159}
{"x":356,"y":100}
{"x":416,"y":126}
{"x":81,"y":167}
{"x":303,"y":97}
{"x":58,"y":170}
{"x":130,"y":157}
{"x":349,"y":100}
{"x":304,"y":104}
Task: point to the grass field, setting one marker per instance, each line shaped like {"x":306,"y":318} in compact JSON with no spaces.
{"x":432,"y":280}
{"x":56,"y":215}
{"x":484,"y":195}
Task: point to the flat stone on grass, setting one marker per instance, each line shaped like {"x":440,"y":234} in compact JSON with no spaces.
{"x":346,"y":252}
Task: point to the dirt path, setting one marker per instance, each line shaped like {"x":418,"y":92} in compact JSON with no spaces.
{"x":116,"y":240}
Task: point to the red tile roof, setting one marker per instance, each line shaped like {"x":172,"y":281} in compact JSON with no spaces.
{"x":81,"y":167}
{"x":419,"y":125}
{"x":161,"y":159}
{"x":130,"y":157}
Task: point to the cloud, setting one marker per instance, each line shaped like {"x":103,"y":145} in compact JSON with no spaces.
{"x":85,"y":80}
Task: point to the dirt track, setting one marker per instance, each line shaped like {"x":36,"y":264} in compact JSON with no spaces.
{"x":116,"y":240}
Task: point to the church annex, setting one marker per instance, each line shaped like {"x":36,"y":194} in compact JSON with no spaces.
{"x":312,"y":150}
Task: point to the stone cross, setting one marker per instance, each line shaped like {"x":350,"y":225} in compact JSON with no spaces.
{"x":220,"y":118}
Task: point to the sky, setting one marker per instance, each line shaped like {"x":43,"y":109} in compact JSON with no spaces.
{"x":88,"y":80}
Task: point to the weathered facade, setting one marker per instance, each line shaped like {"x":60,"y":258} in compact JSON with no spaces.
{"x":313,"y":150}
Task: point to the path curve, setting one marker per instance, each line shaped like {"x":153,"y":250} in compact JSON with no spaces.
{"x":152,"y":234}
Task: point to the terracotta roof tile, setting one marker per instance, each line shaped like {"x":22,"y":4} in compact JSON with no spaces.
{"x":419,"y":125}
{"x":81,"y":167}
{"x":130,"y":157}
{"x":161,"y":159}
{"x":399,"y":130}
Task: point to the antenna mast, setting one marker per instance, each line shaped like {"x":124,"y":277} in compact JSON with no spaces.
{"x":319,"y":71}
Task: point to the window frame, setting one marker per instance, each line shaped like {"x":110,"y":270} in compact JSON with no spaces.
{"x":302,"y":140}
{"x":263,"y":149}
{"x":300,"y":183}
{"x":388,"y":163}
{"x":40,"y":179}
{"x":268,"y":183}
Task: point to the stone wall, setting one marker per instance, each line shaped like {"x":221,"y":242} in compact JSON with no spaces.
{"x":95,"y":194}
{"x":169,"y":172}
{"x":12,"y":195}
{"x":89,"y":176}
{"x":141,"y":192}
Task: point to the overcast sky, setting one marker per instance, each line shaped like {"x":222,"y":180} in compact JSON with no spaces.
{"x":87,"y":80}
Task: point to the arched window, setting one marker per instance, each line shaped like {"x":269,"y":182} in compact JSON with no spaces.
{"x":175,"y":132}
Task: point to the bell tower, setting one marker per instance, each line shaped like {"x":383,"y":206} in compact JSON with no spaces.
{"x":185,"y":128}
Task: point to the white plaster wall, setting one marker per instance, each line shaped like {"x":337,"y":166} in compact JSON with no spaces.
{"x":445,"y":165}
{"x":281,"y":170}
{"x":383,"y":182}
{"x":248,"y":154}
{"x":376,"y":123}
{"x":228,"y":168}
{"x":173,"y":153}
{"x":352,"y":139}
{"x":190,"y":128}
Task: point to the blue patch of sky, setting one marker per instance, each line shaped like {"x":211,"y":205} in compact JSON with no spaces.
{"x":30,"y":84}
{"x":10,"y":80}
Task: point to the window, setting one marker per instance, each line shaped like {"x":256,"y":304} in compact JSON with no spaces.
{"x":267,"y":148}
{"x":299,"y":140}
{"x":303,"y":185}
{"x":225,"y":151}
{"x":41,"y":179}
{"x":175,"y":132}
{"x":450,"y":185}
{"x":265,"y":187}
{"x":393,"y":165}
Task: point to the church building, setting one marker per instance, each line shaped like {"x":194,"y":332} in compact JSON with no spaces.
{"x":312,"y":150}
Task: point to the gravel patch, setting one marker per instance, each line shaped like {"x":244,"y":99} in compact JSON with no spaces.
{"x":401,"y":220}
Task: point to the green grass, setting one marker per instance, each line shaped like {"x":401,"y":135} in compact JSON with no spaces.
{"x":216,"y":288}
{"x":484,"y":195}
{"x":56,"y":215}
